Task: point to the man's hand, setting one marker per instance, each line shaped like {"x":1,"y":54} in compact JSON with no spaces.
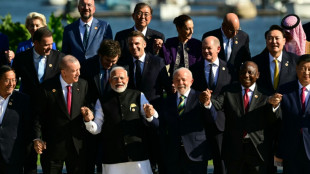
{"x":275,"y":100}
{"x":87,"y":114}
{"x":39,"y":146}
{"x":9,"y":55}
{"x":149,"y":110}
{"x":157,"y":45}
{"x":205,"y":97}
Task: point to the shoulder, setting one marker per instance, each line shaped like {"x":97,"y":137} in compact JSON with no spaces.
{"x":261,"y":56}
{"x":154,"y":58}
{"x":100,"y":22}
{"x":20,"y":96}
{"x":57,"y":53}
{"x":124,"y":32}
{"x":155,"y":32}
{"x":291,"y":56}
{"x":243,"y":34}
{"x":72,"y":25}
{"x":22,"y":55}
{"x":214,"y":32}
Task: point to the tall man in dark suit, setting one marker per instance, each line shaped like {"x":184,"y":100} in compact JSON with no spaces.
{"x":214,"y":75}
{"x":185,"y":146}
{"x":59,"y":127}
{"x":247,"y":139}
{"x":15,"y":123}
{"x":294,"y":144}
{"x":283,"y":71}
{"x":34,"y":66}
{"x":81,"y":38}
{"x":142,"y":15}
{"x":235,"y":43}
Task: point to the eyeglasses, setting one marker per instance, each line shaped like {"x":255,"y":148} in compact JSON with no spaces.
{"x":9,"y":80}
{"x":140,"y":14}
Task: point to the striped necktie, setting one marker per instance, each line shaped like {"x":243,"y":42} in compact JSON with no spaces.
{"x":181,"y":105}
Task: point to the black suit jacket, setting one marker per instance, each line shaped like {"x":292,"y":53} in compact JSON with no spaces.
{"x":306,"y":28}
{"x":15,"y":129}
{"x":53,"y":123}
{"x":200,"y":84}
{"x":25,"y":69}
{"x":122,"y":38}
{"x":189,"y":127}
{"x":154,"y":78}
{"x":256,"y":122}
{"x":240,"y":50}
{"x":287,"y":72}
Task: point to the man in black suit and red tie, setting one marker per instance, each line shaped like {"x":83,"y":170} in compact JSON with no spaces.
{"x":59,"y":127}
{"x":247,"y":140}
{"x":234,"y":43}
{"x":142,"y":16}
{"x":214,"y":75}
{"x":15,"y":123}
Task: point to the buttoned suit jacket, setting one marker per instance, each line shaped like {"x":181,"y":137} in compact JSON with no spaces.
{"x":170,"y":49}
{"x":189,"y":127}
{"x":15,"y":129}
{"x":293,"y":122}
{"x":287,"y":71}
{"x":154,"y":78}
{"x":72,"y":42}
{"x":240,"y":51}
{"x":256,"y":122}
{"x":122,"y":38}
{"x":23,"y":65}
{"x":54,"y":125}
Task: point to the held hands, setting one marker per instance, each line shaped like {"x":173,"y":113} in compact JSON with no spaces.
{"x":87,"y":114}
{"x":39,"y":146}
{"x":9,"y":55}
{"x":149,"y":110}
{"x":157,"y":45}
{"x":275,"y":99}
{"x":205,"y":97}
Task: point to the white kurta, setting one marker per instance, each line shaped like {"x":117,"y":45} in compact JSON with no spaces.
{"x":137,"y":167}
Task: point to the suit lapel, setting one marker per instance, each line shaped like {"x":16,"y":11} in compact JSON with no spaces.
{"x":94,"y":28}
{"x":75,"y":100}
{"x":285,"y":67}
{"x":190,"y":102}
{"x":146,"y":67}
{"x":255,"y":98}
{"x":76,"y":32}
{"x":49,"y":67}
{"x":30,"y":63}
{"x":7,"y":112}
{"x":266,"y":69}
{"x":59,"y":95}
{"x":238,"y":98}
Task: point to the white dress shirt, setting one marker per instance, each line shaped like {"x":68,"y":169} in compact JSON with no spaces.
{"x":64,"y":88}
{"x":215,"y":68}
{"x":3,"y":105}
{"x":82,"y":27}
{"x":272,"y":65}
{"x":143,"y":31}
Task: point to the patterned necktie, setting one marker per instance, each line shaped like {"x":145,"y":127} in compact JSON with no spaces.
{"x":211,"y":78}
{"x":276,"y":75}
{"x":138,"y":75}
{"x":246,"y":100}
{"x":181,"y":105}
{"x":41,"y":67}
{"x":69,"y":97}
{"x":86,"y":34}
{"x":303,"y":99}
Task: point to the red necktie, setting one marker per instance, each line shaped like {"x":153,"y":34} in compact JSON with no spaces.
{"x":303,"y":99}
{"x":246,"y":100}
{"x":69,"y":97}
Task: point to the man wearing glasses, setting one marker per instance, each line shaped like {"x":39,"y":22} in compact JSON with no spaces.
{"x":81,"y":38}
{"x":142,"y":16}
{"x":234,"y":43}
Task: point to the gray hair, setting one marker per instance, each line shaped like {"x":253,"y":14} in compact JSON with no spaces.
{"x":180,"y":69}
{"x":65,"y":60}
{"x":118,"y":68}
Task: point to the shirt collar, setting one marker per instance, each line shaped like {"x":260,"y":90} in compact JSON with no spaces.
{"x":3,"y":99}
{"x":143,"y":31}
{"x":300,"y":86}
{"x":251,"y":87}
{"x":63,"y":83}
{"x":142,"y":58}
{"x":216,"y":62}
{"x":271,"y":58}
{"x":224,"y":36}
{"x":36,"y":55}
{"x":88,"y":23}
{"x":186,"y":93}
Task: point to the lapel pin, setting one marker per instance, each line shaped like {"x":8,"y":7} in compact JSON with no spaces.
{"x":187,"y":49}
{"x":77,"y":89}
{"x":10,"y":103}
{"x":54,"y":90}
{"x":133,"y":110}
{"x":256,"y":96}
{"x":223,"y":68}
{"x":50,"y":65}
{"x":96,"y":28}
{"x":236,"y":42}
{"x":286,"y":64}
{"x":148,"y":37}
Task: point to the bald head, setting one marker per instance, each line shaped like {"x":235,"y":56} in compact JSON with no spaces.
{"x":210,"y":48}
{"x":230,"y":25}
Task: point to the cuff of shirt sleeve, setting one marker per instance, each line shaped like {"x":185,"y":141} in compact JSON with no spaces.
{"x":209,"y":106}
{"x":276,"y":108}
{"x":151,"y":118}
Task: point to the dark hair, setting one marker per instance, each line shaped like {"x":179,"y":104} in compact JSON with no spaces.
{"x":141,"y":5}
{"x":303,"y":58}
{"x":276,"y":27}
{"x":40,"y":33}
{"x":180,"y":20}
{"x":136,"y":34}
{"x":4,"y":69}
{"x":109,"y":48}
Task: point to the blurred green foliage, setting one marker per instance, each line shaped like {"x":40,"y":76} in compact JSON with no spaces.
{"x":17,"y":32}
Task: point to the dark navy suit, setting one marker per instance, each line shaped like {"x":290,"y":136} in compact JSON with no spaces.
{"x":72,"y":42}
{"x":4,"y":46}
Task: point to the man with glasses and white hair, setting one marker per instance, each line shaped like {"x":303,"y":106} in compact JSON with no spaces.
{"x":234,"y":43}
{"x":122,"y":117}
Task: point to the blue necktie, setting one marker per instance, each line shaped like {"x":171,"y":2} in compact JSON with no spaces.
{"x":41,"y":67}
{"x":85,"y":37}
